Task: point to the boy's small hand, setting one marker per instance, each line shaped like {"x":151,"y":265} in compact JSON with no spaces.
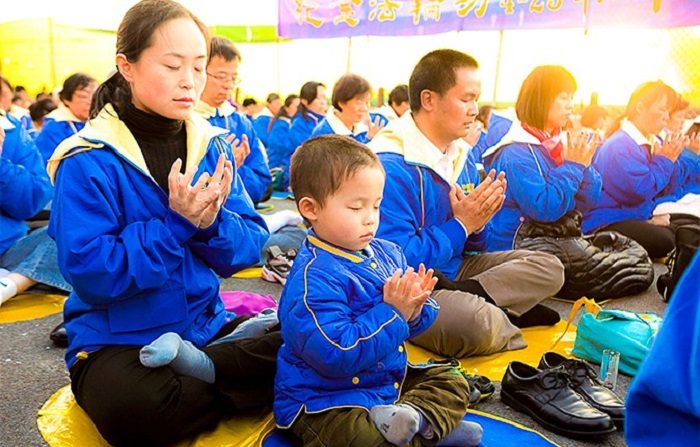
{"x":408,"y":292}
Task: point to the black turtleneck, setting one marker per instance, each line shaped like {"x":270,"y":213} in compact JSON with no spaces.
{"x":162,"y":141}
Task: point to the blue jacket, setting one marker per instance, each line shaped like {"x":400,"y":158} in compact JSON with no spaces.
{"x":278,"y":143}
{"x":416,"y":212}
{"x":663,"y":404}
{"x":537,"y":189}
{"x":58,"y":125}
{"x":283,"y":146}
{"x":686,"y":178}
{"x":137,"y":267}
{"x":24,"y":186}
{"x":255,"y":172}
{"x":632,"y":181}
{"x":261,"y":123}
{"x":331,"y":124}
{"x":343,"y":345}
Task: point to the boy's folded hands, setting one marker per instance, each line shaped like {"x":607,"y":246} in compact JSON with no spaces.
{"x":408,"y":291}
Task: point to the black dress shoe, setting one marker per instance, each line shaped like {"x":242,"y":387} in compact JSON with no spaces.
{"x":547,"y":397}
{"x":584,"y":381}
{"x":59,"y":337}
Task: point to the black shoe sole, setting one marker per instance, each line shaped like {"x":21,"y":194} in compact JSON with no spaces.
{"x":513,"y":403}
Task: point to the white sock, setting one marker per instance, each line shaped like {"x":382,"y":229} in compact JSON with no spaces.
{"x":8,"y":289}
{"x":281,"y":219}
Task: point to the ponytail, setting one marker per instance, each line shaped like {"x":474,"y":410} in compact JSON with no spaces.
{"x":116,"y":91}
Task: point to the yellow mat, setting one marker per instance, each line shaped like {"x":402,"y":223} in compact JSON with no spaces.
{"x":539,"y":340}
{"x":30,"y":306}
{"x":251,"y":273}
{"x":63,"y":423}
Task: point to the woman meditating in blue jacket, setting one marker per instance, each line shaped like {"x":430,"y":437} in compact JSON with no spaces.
{"x":636,"y":166}
{"x":148,"y":210}
{"x":548,"y":170}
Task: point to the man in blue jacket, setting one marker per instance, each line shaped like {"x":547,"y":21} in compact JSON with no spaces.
{"x":251,"y":160}
{"x":436,"y":210}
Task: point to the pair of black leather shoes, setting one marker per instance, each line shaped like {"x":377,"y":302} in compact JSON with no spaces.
{"x":561,"y":397}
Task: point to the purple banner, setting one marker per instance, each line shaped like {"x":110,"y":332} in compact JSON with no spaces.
{"x":342,"y":18}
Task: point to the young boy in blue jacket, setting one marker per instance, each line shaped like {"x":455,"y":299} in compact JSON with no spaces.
{"x":251,"y":160}
{"x":350,"y":304}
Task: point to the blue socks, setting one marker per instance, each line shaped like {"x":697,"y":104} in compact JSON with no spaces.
{"x":181,"y":355}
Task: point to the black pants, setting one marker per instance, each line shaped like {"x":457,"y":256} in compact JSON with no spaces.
{"x":657,"y":241}
{"x":133,"y":405}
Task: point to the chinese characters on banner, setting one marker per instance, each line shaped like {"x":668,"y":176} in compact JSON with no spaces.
{"x":337,"y":18}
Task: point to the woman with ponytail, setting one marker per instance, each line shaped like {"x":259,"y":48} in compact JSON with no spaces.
{"x":636,"y":165}
{"x":148,"y":211}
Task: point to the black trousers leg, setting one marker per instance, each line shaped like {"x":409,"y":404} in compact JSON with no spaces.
{"x":657,"y":241}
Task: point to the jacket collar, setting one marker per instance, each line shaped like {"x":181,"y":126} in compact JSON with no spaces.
{"x":63,"y":113}
{"x":339,"y":127}
{"x":515,"y":134}
{"x":403,"y":137}
{"x":107,"y":129}
{"x":5,"y":123}
{"x":207,"y":111}
{"x":337,"y":251}
{"x":630,"y":129}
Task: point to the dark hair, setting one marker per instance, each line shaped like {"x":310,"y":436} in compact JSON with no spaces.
{"x":4,"y":81}
{"x":73,"y":83}
{"x":399,"y":94}
{"x":308,"y":93}
{"x":135,"y":34}
{"x":694,"y":129}
{"x":224,"y":48}
{"x":437,"y":71}
{"x":647,"y":94}
{"x":592,"y":114}
{"x":348,"y":86}
{"x":20,"y":88}
{"x":484,"y":115}
{"x":271,"y":97}
{"x":41,"y":108}
{"x":321,"y":165}
{"x":538,"y":92}
{"x":282,"y":112}
{"x":249,"y":102}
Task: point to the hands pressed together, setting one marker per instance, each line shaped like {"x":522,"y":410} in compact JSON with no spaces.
{"x":201,"y":202}
{"x":580,"y":146}
{"x":408,"y":291}
{"x":476,"y":209}
{"x":672,"y":146}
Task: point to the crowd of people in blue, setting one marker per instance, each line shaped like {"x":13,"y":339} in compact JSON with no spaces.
{"x":151,"y":180}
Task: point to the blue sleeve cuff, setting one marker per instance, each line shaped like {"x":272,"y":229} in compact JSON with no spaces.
{"x":181,"y":228}
{"x":456,"y":232}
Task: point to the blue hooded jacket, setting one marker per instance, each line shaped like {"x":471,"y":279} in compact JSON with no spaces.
{"x":24,"y":186}
{"x":255,"y":172}
{"x":633,"y":179}
{"x":415,"y":211}
{"x":261,"y":123}
{"x":331,"y":125}
{"x":58,"y":125}
{"x":283,"y":144}
{"x":537,"y":189}
{"x":138,"y":268}
{"x":686,"y":179}
{"x":343,"y":345}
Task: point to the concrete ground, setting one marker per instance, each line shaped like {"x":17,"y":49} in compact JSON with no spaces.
{"x":31,"y":369}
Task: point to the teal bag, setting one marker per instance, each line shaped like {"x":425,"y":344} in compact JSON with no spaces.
{"x":629,"y":333}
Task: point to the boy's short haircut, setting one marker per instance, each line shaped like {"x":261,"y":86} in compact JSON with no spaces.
{"x":224,"y":48}
{"x":321,"y":165}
